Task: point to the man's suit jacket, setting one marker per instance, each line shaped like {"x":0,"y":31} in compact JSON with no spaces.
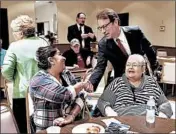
{"x":108,"y":50}
{"x":74,"y":32}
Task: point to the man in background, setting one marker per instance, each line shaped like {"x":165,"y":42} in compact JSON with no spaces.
{"x":81,"y":32}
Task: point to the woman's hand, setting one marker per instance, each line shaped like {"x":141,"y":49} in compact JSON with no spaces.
{"x":162,"y":115}
{"x":64,"y":121}
{"x":110,"y":112}
{"x":79,"y":86}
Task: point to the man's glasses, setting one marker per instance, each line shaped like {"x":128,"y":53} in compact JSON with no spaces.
{"x":82,"y":18}
{"x":134,"y":65}
{"x":103,"y":27}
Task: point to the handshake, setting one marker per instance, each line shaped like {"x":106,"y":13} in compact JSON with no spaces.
{"x":87,"y":86}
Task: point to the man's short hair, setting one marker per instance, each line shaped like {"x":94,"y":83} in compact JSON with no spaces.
{"x":78,"y":15}
{"x":108,"y":13}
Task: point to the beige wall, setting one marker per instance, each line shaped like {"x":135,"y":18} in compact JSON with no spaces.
{"x":149,"y":15}
{"x":16,"y":8}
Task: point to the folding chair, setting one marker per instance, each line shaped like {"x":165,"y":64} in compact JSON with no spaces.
{"x":168,"y":75}
{"x":5,"y":101}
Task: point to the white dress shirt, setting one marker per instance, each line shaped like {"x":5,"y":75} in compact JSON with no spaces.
{"x":124,"y":42}
{"x":83,"y":32}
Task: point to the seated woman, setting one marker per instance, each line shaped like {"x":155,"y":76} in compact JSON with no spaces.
{"x":54,"y":90}
{"x":128,"y":95}
{"x":77,"y":57}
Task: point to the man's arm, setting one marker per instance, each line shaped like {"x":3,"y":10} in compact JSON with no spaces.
{"x":99,"y":69}
{"x":70,"y":35}
{"x":148,"y":50}
{"x":92,"y":36}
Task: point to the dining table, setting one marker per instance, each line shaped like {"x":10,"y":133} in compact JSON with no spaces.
{"x":137,"y":124}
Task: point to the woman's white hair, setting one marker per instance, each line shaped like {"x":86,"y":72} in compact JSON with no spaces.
{"x":22,"y":23}
{"x":139,"y":58}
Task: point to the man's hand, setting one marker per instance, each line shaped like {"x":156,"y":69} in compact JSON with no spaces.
{"x":76,"y":66}
{"x":110,"y":112}
{"x":84,"y":36}
{"x":91,"y":35}
{"x":88,"y":87}
{"x":88,"y":60}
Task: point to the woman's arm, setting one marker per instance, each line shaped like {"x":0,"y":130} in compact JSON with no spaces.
{"x":52,"y":91}
{"x":9,"y":65}
{"x":164,"y":106}
{"x":107,"y":99}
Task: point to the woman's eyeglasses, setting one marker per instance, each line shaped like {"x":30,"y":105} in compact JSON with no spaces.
{"x":134,"y":65}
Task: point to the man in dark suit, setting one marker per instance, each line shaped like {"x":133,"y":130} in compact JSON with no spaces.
{"x":116,"y":45}
{"x":82,"y":32}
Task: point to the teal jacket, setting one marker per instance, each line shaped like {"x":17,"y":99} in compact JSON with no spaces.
{"x":3,"y":52}
{"x":20,"y":64}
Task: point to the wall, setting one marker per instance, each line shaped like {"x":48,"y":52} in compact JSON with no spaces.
{"x":45,"y":13}
{"x":149,"y":15}
{"x":16,"y":8}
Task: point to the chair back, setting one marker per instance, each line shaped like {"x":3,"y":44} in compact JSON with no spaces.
{"x":29,"y":112}
{"x":161,"y":52}
{"x":5,"y":101}
{"x":168,"y":72}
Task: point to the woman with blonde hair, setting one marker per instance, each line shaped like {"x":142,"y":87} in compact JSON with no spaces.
{"x":20,"y":64}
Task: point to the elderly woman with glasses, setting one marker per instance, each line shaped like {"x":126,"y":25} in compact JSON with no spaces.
{"x":128,"y":95}
{"x":20,"y":64}
{"x":54,"y":91}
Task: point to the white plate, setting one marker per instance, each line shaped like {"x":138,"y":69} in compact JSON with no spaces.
{"x":53,"y":129}
{"x":83,"y":127}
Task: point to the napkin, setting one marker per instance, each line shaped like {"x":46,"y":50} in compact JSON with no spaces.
{"x":132,"y":132}
{"x":110,"y":120}
{"x":53,"y":129}
{"x":115,"y":128}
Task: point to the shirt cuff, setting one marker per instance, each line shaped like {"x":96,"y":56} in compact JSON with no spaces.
{"x":73,"y":92}
{"x":80,"y":102}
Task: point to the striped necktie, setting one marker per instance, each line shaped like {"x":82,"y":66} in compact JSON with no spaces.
{"x":120,"y":45}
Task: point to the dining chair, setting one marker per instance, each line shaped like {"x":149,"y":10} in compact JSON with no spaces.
{"x":5,"y":101}
{"x":29,"y":112}
{"x":161,"y":52}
